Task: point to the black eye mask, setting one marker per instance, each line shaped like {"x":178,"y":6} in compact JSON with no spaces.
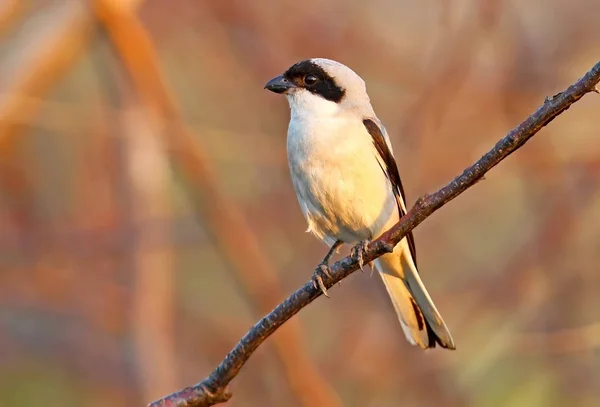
{"x":324,"y":86}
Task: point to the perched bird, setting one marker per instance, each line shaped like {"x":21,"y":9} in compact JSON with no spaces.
{"x":347,"y":182}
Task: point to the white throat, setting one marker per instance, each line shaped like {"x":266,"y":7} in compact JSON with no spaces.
{"x":305,"y":105}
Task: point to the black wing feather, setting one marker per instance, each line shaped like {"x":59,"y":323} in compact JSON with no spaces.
{"x":391,"y":171}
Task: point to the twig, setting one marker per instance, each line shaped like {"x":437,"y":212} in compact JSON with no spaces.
{"x":213,"y":389}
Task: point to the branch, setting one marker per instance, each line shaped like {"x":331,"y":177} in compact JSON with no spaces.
{"x":213,"y":389}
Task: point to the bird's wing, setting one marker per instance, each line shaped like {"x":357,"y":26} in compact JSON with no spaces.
{"x":389,"y":167}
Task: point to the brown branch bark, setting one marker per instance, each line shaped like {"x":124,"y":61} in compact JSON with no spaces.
{"x":213,"y":389}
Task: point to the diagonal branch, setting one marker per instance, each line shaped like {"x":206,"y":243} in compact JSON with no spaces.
{"x":213,"y":389}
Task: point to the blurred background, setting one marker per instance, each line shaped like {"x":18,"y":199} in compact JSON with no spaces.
{"x":147,"y":218}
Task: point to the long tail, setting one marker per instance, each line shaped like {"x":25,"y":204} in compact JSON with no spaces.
{"x":421,"y":322}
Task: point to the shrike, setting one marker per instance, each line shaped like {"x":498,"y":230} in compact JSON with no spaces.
{"x":348,"y":186}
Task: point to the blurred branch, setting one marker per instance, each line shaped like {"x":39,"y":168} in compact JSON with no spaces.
{"x":153,"y":292}
{"x":44,"y":58}
{"x":40,"y":58}
{"x":141,"y":179}
{"x":213,"y":389}
{"x":10,"y":11}
{"x":241,"y":249}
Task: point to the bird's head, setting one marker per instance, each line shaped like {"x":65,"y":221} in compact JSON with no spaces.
{"x":320,"y":87}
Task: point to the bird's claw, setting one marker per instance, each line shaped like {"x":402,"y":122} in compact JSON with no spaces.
{"x":358,"y":251}
{"x":317,"y":278}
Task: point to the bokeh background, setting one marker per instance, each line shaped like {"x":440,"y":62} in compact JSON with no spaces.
{"x":147,"y":218}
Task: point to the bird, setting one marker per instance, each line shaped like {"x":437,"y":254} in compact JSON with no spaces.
{"x":348,"y":186}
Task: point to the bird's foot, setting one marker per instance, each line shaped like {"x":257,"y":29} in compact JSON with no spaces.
{"x":317,"y":277}
{"x":372,"y":269}
{"x":358,"y":251}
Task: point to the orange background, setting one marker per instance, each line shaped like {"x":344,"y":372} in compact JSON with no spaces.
{"x":147,"y":218}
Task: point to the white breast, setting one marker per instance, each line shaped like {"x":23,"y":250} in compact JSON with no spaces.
{"x":340,"y":185}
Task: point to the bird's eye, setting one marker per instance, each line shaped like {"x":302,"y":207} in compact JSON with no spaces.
{"x":310,"y":80}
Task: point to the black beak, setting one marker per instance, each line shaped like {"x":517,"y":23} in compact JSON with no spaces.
{"x":279,"y":85}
